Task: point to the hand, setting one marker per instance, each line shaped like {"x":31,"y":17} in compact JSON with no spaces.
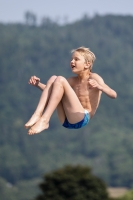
{"x":34,"y":80}
{"x":94,"y":84}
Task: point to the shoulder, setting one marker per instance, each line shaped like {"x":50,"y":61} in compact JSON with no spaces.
{"x":96,"y":77}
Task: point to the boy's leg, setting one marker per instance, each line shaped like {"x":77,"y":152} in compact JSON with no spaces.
{"x":42,"y":103}
{"x":61,"y":92}
{"x":61,"y":113}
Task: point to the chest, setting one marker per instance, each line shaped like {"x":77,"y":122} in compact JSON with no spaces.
{"x":82,"y":89}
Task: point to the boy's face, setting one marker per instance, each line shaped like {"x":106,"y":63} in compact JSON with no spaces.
{"x":78,"y":63}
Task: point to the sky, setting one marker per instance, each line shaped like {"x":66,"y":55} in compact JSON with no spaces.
{"x":13,"y":11}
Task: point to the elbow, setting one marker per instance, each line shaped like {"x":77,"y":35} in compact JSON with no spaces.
{"x":114,"y":95}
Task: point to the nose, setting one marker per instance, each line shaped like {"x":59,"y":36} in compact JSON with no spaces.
{"x":72,"y":61}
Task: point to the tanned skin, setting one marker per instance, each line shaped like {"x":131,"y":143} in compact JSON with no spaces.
{"x":70,"y":97}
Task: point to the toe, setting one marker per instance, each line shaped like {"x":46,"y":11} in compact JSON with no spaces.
{"x":30,"y":132}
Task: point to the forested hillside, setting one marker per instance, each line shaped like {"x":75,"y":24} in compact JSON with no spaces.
{"x":106,"y":143}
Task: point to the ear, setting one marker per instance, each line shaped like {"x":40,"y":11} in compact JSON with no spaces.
{"x":88,"y":65}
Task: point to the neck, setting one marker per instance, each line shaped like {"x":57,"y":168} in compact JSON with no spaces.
{"x":84,"y":75}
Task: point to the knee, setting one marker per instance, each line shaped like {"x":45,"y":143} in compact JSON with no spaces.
{"x":60,"y":79}
{"x":52,"y":79}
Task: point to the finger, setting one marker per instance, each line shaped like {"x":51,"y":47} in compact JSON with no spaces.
{"x":37,"y":79}
{"x":90,"y":81}
{"x":32,"y":78}
{"x":32,"y":81}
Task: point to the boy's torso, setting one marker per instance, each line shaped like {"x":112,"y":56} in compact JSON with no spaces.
{"x":89,"y":98}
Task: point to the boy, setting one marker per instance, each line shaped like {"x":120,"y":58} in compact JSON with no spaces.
{"x":75,"y":99}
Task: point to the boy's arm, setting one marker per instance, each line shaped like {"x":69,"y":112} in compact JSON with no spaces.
{"x":35,"y":81}
{"x":97,"y":82}
{"x":41,"y":86}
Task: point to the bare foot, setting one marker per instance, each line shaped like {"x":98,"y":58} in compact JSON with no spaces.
{"x":38,"y":127}
{"x":35,"y":117}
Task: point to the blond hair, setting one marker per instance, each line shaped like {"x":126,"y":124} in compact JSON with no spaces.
{"x":89,"y":56}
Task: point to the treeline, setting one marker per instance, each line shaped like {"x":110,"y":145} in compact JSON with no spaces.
{"x":31,"y":19}
{"x":106,"y":143}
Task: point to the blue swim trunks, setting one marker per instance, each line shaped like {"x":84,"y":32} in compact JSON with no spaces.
{"x":80,"y":124}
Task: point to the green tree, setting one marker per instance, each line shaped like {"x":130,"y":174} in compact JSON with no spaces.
{"x":30,"y":18}
{"x":7,"y":191}
{"x":73,"y":183}
{"x":43,"y":50}
{"x":128,"y":196}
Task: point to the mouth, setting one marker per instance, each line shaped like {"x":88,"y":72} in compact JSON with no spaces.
{"x":73,"y":66}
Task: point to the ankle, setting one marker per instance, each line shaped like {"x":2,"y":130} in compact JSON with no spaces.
{"x":37,"y":113}
{"x":45,"y":119}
